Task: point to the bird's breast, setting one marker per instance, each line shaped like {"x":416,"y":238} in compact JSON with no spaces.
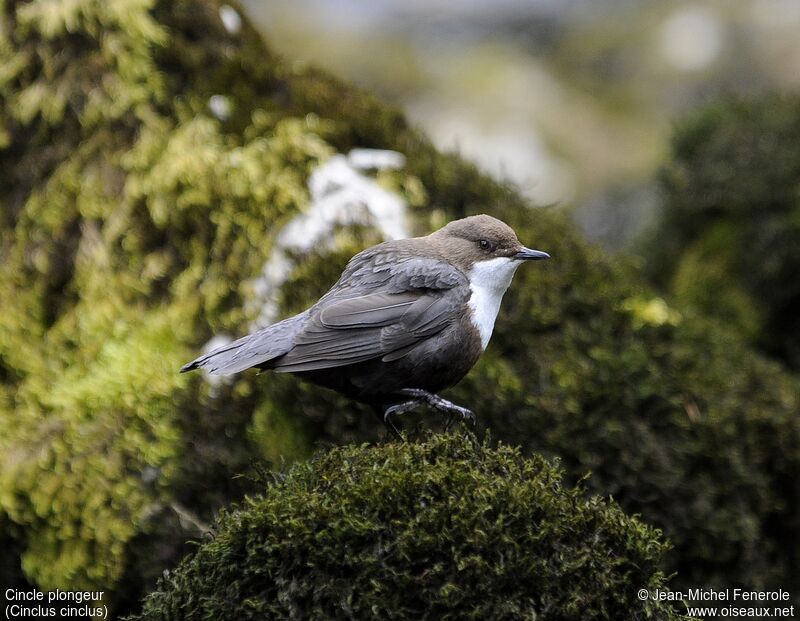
{"x":484,"y":304}
{"x":488,"y":282}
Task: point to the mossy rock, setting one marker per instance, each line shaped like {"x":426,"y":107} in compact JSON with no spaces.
{"x":441,"y":528}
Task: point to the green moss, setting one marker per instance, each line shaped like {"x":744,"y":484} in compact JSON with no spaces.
{"x":439,"y":528}
{"x":703,"y":279}
{"x":731,"y":221}
{"x":279,"y":435}
{"x":127,"y":216}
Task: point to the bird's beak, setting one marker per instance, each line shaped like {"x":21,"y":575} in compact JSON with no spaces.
{"x":528,"y":254}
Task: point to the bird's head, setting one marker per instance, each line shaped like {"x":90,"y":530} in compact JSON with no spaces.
{"x":484,"y":248}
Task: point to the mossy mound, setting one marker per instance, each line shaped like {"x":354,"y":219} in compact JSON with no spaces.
{"x":436,"y":529}
{"x":729,"y":240}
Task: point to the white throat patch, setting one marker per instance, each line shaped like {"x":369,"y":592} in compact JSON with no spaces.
{"x":488,"y":281}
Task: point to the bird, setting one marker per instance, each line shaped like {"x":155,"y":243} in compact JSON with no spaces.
{"x":406,"y":319}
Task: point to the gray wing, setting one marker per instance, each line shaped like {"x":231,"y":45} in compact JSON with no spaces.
{"x":374,"y":325}
{"x":395,"y":267}
{"x":251,"y":350}
{"x":388,"y":300}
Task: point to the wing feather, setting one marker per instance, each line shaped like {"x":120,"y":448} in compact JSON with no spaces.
{"x":390,"y":299}
{"x":376,"y":309}
{"x":376,"y":325}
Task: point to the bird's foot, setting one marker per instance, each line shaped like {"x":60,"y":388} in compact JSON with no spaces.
{"x":396,"y":410}
{"x":438,"y":403}
{"x":423,"y":397}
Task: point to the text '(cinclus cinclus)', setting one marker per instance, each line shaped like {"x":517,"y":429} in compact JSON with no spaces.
{"x":406,"y":319}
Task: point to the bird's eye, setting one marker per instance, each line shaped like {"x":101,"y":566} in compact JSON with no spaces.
{"x":484,"y":244}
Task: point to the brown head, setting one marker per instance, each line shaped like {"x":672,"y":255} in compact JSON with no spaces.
{"x":477,"y":239}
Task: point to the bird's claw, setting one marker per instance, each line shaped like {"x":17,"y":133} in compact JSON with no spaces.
{"x":389,"y":413}
{"x":397,"y":409}
{"x":419,"y":397}
{"x":439,"y":403}
{"x":468,"y":416}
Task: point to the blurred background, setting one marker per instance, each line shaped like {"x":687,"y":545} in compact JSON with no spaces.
{"x":571,"y":100}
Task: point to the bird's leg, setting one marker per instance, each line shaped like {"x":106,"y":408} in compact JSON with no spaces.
{"x":439,"y":403}
{"x":391,"y":427}
{"x":395,"y":410}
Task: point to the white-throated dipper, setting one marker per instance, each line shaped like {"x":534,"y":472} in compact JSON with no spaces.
{"x":406,"y":319}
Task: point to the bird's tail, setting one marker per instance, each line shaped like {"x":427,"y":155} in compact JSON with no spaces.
{"x":253,"y":350}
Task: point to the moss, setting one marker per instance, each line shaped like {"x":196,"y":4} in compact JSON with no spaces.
{"x":703,"y":279}
{"x":731,"y":221}
{"x":439,"y":528}
{"x":128,"y":214}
